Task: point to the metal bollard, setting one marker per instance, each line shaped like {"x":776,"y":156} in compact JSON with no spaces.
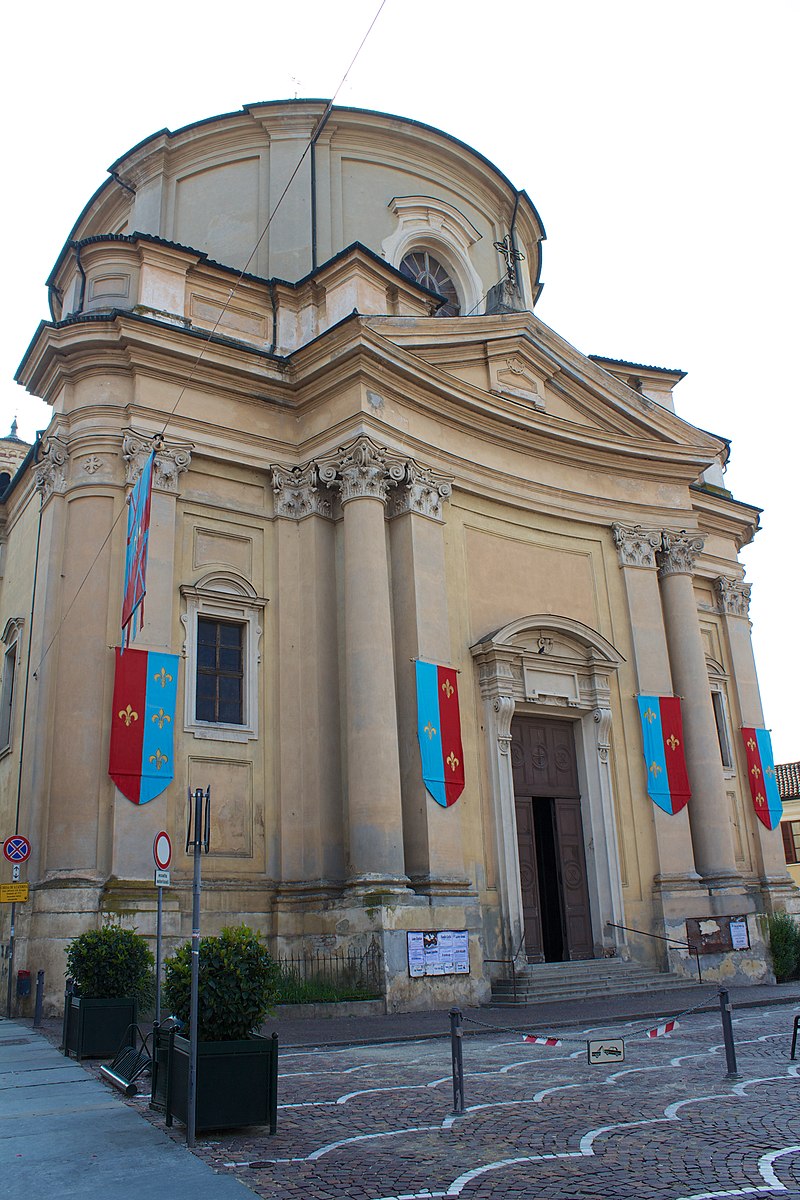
{"x":727,"y":1033}
{"x":456,"y":1043}
{"x":37,"y":1012}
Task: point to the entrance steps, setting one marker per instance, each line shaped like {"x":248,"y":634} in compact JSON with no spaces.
{"x":543,"y":982}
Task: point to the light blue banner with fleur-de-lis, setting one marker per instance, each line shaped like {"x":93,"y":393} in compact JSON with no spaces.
{"x":158,"y":757}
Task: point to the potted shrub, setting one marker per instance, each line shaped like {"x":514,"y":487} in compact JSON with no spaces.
{"x":112,"y":973}
{"x":237,"y":1070}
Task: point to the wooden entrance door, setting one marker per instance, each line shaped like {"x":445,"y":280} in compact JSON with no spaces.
{"x":555,"y":896}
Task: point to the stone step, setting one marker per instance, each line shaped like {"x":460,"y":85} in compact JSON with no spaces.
{"x":573,"y":981}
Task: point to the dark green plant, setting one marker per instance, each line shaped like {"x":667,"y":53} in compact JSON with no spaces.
{"x":784,"y":945}
{"x":292,"y":989}
{"x":236,"y":985}
{"x":111,"y":963}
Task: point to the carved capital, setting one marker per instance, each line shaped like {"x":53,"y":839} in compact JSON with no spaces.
{"x":678,"y":553}
{"x":362,"y":469}
{"x":734,"y":596}
{"x":636,"y":546}
{"x":172,"y":459}
{"x":298,"y":493}
{"x":423,"y":492}
{"x":504,"y":711}
{"x":51,"y":472}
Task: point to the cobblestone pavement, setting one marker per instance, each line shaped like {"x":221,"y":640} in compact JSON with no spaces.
{"x":376,"y":1122}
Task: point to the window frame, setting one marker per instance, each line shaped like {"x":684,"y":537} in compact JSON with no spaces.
{"x":791,"y":841}
{"x":12,"y":640}
{"x":231,"y":600}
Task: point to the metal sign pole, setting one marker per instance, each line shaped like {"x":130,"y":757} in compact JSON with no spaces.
{"x":198,"y":838}
{"x":159,"y":919}
{"x":10,"y":959}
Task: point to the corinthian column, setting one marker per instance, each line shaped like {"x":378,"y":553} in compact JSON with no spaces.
{"x":709,"y":817}
{"x":363,"y":475}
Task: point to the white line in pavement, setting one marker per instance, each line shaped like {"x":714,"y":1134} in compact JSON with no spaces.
{"x":326,"y":1149}
{"x":767,"y":1172}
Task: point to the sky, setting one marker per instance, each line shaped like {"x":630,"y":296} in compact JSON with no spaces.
{"x":658,"y":141}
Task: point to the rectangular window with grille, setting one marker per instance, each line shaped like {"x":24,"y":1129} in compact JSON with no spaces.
{"x":791,"y":840}
{"x":220,"y":672}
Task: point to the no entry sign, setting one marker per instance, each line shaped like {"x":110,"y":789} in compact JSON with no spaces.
{"x":162,"y":850}
{"x":16,"y":849}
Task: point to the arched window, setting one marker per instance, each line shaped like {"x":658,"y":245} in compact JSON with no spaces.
{"x":423,"y":268}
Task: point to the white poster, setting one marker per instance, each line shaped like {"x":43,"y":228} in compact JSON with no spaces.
{"x":445,"y":952}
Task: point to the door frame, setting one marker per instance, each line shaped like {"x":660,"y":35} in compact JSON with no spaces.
{"x":553,"y":666}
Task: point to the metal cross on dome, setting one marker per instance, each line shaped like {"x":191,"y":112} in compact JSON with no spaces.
{"x":511,"y":255}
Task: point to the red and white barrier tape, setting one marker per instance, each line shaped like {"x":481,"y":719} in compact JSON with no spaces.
{"x":662,"y":1030}
{"x":541,"y":1041}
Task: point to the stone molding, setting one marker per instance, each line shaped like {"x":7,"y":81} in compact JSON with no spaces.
{"x":298,"y":493}
{"x":51,"y":472}
{"x":172,"y":459}
{"x":734,"y":596}
{"x":602,"y":719}
{"x":636,"y":546}
{"x":359,"y":469}
{"x":678,"y":553}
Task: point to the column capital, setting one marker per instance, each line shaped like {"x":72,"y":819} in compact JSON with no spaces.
{"x":298,"y":492}
{"x":362,"y":469}
{"x":636,"y":546}
{"x":734,"y":596}
{"x":172,"y":459}
{"x":678,"y":552}
{"x":51,"y":472}
{"x":423,"y":491}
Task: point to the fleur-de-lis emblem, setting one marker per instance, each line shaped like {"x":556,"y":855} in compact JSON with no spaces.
{"x":655,"y":769}
{"x":673,"y":742}
{"x":448,"y":688}
{"x":751,"y":745}
{"x":159,"y":759}
{"x":649,"y":716}
{"x":160,"y":717}
{"x":770,"y":771}
{"x":163,"y":677}
{"x":127,"y":715}
{"x":759,"y":798}
{"x":429,"y":730}
{"x":755,"y":770}
{"x":452,"y":761}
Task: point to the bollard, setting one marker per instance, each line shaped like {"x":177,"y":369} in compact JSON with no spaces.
{"x":727,"y":1033}
{"x":37,"y":1012}
{"x":456,"y":1043}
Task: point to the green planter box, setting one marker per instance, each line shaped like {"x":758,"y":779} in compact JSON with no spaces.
{"x":95,"y":1028}
{"x":237,"y":1083}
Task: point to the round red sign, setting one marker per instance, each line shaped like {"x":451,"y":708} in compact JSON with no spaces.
{"x":17,"y":848}
{"x":162,"y":850}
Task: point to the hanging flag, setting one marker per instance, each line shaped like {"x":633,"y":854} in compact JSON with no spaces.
{"x":761,"y":774}
{"x":136,"y":553}
{"x":662,"y":733}
{"x":141,"y":759}
{"x":439,"y":732}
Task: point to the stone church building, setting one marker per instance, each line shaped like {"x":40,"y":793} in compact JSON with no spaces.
{"x":369,"y":451}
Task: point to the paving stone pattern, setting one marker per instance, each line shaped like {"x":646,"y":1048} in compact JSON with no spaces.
{"x":375,"y":1122}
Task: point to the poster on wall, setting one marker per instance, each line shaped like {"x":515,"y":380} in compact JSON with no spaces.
{"x":445,"y":952}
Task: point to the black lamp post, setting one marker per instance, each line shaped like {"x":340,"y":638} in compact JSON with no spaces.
{"x":197,"y":836}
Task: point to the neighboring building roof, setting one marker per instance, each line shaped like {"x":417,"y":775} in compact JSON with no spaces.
{"x":601,"y":361}
{"x":788,"y":777}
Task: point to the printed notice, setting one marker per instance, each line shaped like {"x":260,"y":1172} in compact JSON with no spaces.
{"x":445,"y":952}
{"x":739,"y":938}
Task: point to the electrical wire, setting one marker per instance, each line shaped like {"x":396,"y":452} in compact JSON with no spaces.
{"x":207,"y":340}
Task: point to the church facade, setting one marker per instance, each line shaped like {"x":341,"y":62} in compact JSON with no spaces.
{"x":369,"y":451}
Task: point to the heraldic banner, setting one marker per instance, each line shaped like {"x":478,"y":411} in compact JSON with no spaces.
{"x":662,"y":733}
{"x":141,"y":760}
{"x":761,"y":773}
{"x":439,"y":732}
{"x":136,"y":553}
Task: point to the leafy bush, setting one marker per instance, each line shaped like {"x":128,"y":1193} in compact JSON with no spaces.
{"x":236,"y":985}
{"x":784,"y":945}
{"x":110,"y":963}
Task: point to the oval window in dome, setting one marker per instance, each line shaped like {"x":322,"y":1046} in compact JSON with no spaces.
{"x":423,"y":268}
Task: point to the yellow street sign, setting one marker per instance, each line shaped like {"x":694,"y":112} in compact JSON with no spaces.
{"x":13,"y":893}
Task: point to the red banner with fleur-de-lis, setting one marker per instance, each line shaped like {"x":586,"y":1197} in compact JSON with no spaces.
{"x":665,"y":761}
{"x":761,"y":776}
{"x":439,"y":732}
{"x":141,"y":757}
